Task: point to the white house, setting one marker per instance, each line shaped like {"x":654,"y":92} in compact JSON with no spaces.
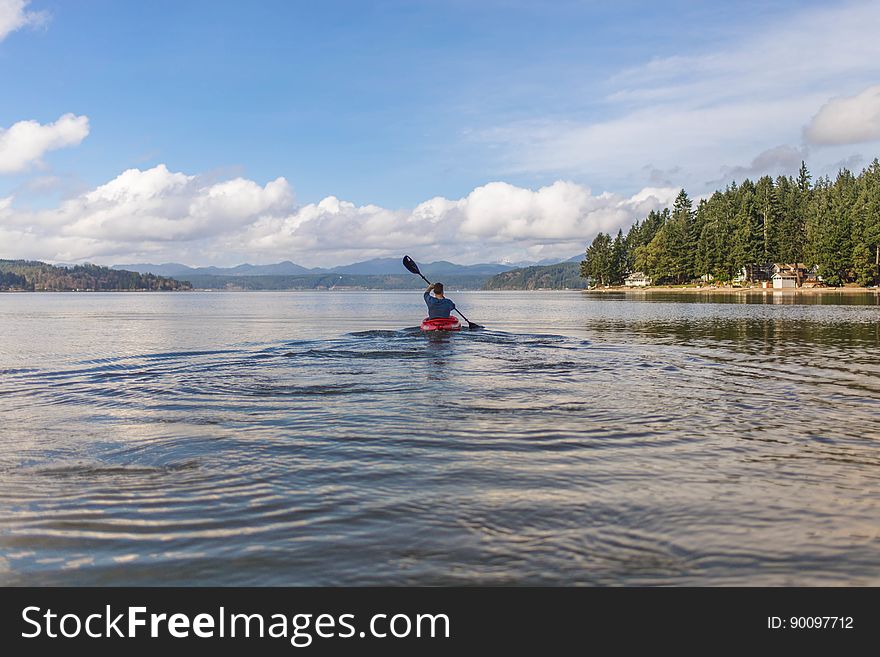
{"x":791,"y":275}
{"x":637,"y":279}
{"x":784,"y":279}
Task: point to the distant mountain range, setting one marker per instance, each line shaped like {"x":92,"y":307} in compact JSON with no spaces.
{"x":176,"y":269}
{"x":378,"y":273}
{"x":391,"y":266}
{"x":374,"y":267}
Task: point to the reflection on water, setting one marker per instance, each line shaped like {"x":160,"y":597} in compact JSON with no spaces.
{"x":827,"y":297}
{"x":286,"y":439}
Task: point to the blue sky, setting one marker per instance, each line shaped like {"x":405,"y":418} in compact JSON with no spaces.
{"x":387,"y":105}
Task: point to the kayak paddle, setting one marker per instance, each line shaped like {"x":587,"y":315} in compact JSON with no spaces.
{"x":411,"y":265}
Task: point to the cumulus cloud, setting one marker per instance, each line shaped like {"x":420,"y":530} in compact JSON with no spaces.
{"x":847,"y":120}
{"x":24,"y":143}
{"x":161,"y":214}
{"x":14,"y":16}
{"x":497,"y":222}
{"x":149,"y":211}
{"x":157,"y":205}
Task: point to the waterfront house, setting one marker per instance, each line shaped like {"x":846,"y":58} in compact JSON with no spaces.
{"x":784,"y":279}
{"x":637,"y":279}
{"x":785,"y":273}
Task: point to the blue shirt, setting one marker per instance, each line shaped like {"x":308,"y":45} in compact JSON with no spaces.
{"x":438,"y":307}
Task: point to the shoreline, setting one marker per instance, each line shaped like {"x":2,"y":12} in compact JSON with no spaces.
{"x":735,"y":290}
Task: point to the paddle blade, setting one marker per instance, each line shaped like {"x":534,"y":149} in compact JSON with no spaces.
{"x":471,"y":326}
{"x":410,"y":264}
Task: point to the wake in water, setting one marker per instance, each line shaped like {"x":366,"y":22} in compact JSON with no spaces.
{"x":396,"y":457}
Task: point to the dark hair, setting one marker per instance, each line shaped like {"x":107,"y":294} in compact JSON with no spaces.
{"x":438,"y":288}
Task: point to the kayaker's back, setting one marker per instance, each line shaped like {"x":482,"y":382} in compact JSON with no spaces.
{"x":438,"y":307}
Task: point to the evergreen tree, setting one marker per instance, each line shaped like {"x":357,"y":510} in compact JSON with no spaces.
{"x":714,"y":236}
{"x":598,"y":262}
{"x":704,"y":256}
{"x":768,"y":207}
{"x":794,"y":199}
{"x":819,"y":243}
{"x":686,"y":236}
{"x":790,"y":233}
{"x":866,"y":227}
{"x":668,"y":257}
{"x":618,"y":269}
{"x":748,"y":232}
{"x":801,"y":212}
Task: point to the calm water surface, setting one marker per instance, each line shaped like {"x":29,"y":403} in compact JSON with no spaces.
{"x":312,"y":438}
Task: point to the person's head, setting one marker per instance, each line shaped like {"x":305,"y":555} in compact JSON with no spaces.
{"x":438,"y":289}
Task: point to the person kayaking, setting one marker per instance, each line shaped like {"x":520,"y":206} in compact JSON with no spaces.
{"x":438,"y":305}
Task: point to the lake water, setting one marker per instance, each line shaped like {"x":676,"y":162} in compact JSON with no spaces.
{"x":311,"y":438}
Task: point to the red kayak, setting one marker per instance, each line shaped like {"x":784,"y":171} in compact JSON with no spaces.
{"x":441,"y":324}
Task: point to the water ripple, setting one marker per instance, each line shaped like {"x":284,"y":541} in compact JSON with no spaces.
{"x":653,"y":444}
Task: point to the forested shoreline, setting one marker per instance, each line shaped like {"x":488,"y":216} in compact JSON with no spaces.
{"x":832,"y":225}
{"x":35,"y":276}
{"x":561,"y":276}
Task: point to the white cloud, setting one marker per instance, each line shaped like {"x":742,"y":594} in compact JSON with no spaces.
{"x":847,"y":120}
{"x":14,"y":16}
{"x":700,"y":112}
{"x":163,"y":215}
{"x":24,"y":143}
{"x":157,"y":205}
{"x":495,"y":222}
{"x":151,"y":211}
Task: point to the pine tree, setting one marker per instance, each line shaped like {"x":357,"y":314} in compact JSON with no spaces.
{"x":618,"y":269}
{"x":795,"y":198}
{"x":820,"y":245}
{"x":686,"y":236}
{"x":789,"y":234}
{"x":748,"y":231}
{"x":713,"y":248}
{"x":668,"y":257}
{"x":598,"y":261}
{"x":767,"y":203}
{"x":868,"y":204}
{"x":704,"y":256}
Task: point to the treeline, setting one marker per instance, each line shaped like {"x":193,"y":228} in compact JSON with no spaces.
{"x":34,"y":276}
{"x":833,"y":225}
{"x":561,"y":276}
